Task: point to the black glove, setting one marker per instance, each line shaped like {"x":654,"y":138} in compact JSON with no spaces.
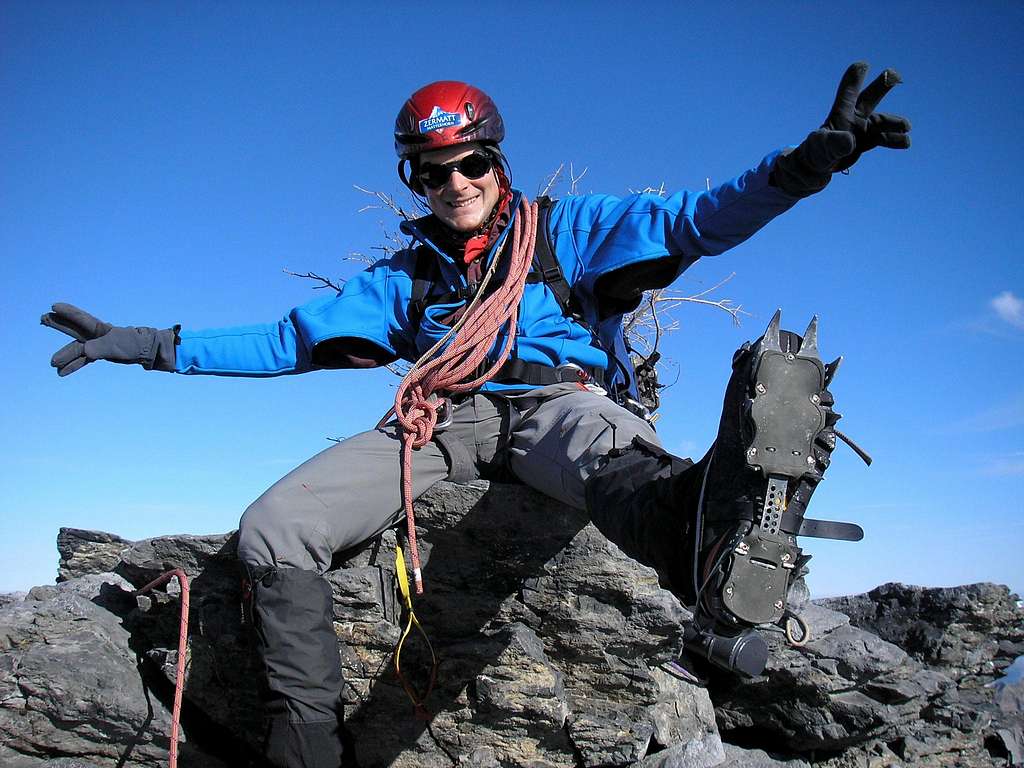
{"x":851,"y":129}
{"x":97,"y":340}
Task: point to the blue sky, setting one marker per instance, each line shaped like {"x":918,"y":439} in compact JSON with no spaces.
{"x":163,"y":163}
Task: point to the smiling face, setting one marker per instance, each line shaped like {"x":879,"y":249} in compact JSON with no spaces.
{"x":462,"y":204}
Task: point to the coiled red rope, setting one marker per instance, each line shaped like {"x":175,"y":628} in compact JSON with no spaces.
{"x":453,"y":369}
{"x":179,"y":678}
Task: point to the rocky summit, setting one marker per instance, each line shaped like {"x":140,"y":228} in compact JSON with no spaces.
{"x":552,"y":648}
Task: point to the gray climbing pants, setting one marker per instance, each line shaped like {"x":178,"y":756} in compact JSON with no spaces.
{"x":550,"y":438}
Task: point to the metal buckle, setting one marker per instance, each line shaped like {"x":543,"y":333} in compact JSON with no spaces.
{"x":577,"y":375}
{"x":445,"y":414}
{"x":636,"y":408}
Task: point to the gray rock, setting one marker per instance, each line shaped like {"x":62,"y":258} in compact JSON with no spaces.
{"x":974,"y":630}
{"x":698,"y":753}
{"x":737,"y":757}
{"x":69,"y":683}
{"x":965,"y":635}
{"x":550,"y":643}
{"x":6,"y":598}
{"x":11,"y":759}
{"x":86,"y":552}
{"x":552,"y":655}
{"x":845,"y":687}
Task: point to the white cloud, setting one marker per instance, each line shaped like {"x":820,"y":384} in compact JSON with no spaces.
{"x":1010,"y":308}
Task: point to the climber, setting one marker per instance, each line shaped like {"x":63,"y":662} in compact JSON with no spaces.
{"x":559,"y":409}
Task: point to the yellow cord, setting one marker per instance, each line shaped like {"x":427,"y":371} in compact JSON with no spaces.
{"x":403,"y":588}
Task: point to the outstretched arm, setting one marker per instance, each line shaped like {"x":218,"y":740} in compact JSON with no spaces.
{"x":359,"y":328}
{"x":634,"y":244}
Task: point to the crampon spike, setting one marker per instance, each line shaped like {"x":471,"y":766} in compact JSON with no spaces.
{"x":809,"y":346}
{"x":831,"y":369}
{"x":771,"y":335}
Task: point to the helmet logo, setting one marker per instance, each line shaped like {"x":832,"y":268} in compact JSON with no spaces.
{"x":439,"y":120}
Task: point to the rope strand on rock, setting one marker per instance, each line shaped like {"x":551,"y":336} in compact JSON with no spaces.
{"x":454,"y":368}
{"x":179,"y":678}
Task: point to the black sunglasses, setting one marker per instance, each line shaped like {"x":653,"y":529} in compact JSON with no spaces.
{"x":435,"y":176}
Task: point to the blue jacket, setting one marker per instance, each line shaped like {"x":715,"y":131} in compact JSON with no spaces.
{"x":592,"y":236}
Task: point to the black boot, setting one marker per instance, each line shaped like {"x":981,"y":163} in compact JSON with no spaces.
{"x":775,"y":440}
{"x":722,"y":532}
{"x":292,"y":618}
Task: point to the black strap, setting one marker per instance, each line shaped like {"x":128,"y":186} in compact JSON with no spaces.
{"x":546,"y":268}
{"x":461,"y":467}
{"x":539,"y":375}
{"x":423,"y":277}
{"x":820,"y":529}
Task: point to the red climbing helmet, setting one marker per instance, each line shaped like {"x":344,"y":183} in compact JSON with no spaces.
{"x":443,"y":114}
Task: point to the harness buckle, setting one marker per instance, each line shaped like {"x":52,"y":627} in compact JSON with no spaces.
{"x":572,"y":373}
{"x":550,"y":274}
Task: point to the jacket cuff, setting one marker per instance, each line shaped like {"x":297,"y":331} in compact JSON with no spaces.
{"x":163,"y":352}
{"x":794,"y":176}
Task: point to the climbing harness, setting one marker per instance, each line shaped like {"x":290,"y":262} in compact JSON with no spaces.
{"x":179,"y":678}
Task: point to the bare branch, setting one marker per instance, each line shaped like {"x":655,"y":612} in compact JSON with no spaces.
{"x":658,"y":190}
{"x":327,"y":283}
{"x":552,"y":180}
{"x":386,"y":201}
{"x":360,"y":258}
{"x":574,"y":180}
{"x":724,"y":304}
{"x":644,"y":327}
{"x":716,"y":286}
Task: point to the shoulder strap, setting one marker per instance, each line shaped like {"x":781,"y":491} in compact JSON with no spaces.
{"x":423,"y":277}
{"x":546,"y":267}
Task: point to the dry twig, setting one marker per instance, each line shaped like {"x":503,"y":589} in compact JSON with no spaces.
{"x":552,"y":180}
{"x":327,"y":283}
{"x":574,"y":180}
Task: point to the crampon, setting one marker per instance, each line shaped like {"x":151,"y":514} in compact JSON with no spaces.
{"x":774,"y":444}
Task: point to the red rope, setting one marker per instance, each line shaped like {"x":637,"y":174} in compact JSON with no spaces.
{"x":179,"y":682}
{"x":452,"y":369}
